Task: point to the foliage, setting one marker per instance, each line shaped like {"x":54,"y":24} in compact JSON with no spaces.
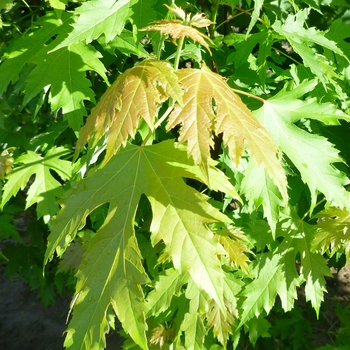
{"x":206,"y":187}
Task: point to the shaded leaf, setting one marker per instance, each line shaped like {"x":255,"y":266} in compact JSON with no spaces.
{"x":24,"y":48}
{"x":45,"y":189}
{"x":165,"y":288}
{"x":65,"y":72}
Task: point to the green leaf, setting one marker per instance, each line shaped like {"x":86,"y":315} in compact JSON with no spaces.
{"x":312,"y":154}
{"x":193,"y":326}
{"x":45,"y":189}
{"x":261,"y":293}
{"x":313,"y":266}
{"x":143,"y":13}
{"x":165,"y":288}
{"x":24,"y":48}
{"x":125,"y":43}
{"x":259,"y":189}
{"x":98,"y":17}
{"x":65,"y":72}
{"x":258,"y":4}
{"x":300,"y":39}
{"x":111,"y":271}
{"x":258,"y":327}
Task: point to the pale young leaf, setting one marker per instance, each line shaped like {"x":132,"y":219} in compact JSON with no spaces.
{"x":232,"y":239}
{"x":135,"y":94}
{"x":177,"y":11}
{"x":210,"y":106}
{"x":221,"y":324}
{"x":176,"y":29}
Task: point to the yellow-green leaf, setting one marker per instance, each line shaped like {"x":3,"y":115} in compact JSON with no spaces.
{"x":333,"y":231}
{"x":111,"y":272}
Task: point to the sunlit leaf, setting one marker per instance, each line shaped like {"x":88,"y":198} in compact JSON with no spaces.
{"x":211,"y":107}
{"x":135,"y":94}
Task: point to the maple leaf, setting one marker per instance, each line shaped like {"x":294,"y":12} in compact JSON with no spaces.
{"x":231,"y":118}
{"x":58,"y":5}
{"x":6,"y":162}
{"x":125,"y":43}
{"x":143,"y":13}
{"x":261,"y":293}
{"x":176,"y":29}
{"x":232,"y":240}
{"x":313,"y":266}
{"x":149,"y":83}
{"x":45,"y":188}
{"x":258,"y":4}
{"x":183,"y":28}
{"x":259,"y":189}
{"x":258,"y":327}
{"x":221,"y":324}
{"x":333,"y":232}
{"x":70,"y":87}
{"x":276,"y":271}
{"x":312,"y":154}
{"x":112,"y":271}
{"x":193,"y":325}
{"x":22,"y":49}
{"x":166,"y":286}
{"x":300,"y":39}
{"x":72,"y":257}
{"x":64,"y":71}
{"x":98,"y":17}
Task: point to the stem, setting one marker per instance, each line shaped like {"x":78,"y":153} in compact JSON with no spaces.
{"x":249,"y":95}
{"x":214,"y":12}
{"x":160,"y":121}
{"x":178,"y":53}
{"x":308,"y":212}
{"x":286,"y":55}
